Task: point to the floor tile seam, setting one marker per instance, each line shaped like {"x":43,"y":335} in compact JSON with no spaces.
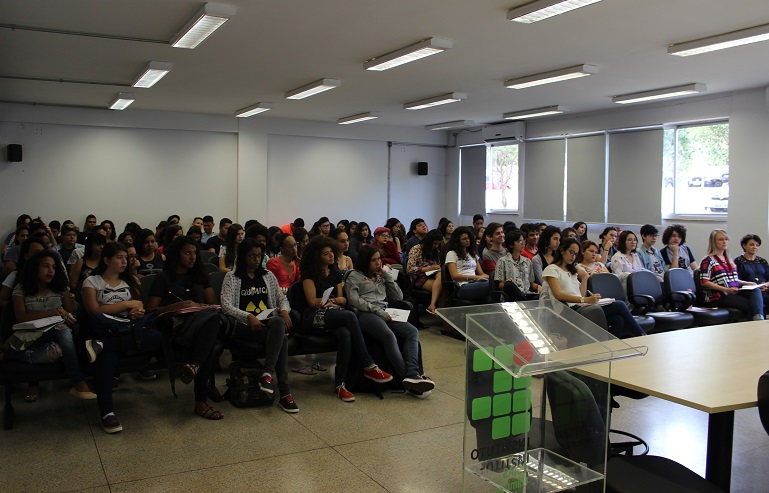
{"x":346,"y":459}
{"x":397,"y":434}
{"x":91,"y":427}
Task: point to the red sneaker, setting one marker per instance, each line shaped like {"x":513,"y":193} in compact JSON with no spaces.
{"x":344,"y":394}
{"x":377,"y":375}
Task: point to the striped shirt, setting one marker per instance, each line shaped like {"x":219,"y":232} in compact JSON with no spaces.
{"x":716,"y":271}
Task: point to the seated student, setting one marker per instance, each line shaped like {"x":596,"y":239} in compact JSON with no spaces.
{"x":320,"y":273}
{"x":90,"y":223}
{"x":285,"y":266}
{"x":302,"y":237}
{"x":387,"y":248}
{"x":650,"y":257}
{"x":549,"y":240}
{"x":477,"y":221}
{"x":215,"y":243}
{"x":481,"y":242}
{"x":607,"y":249}
{"x":447,"y":229}
{"x":30,"y":247}
{"x":273,"y":247}
{"x":184,"y":284}
{"x":12,"y":255}
{"x":321,"y":227}
{"x":567,"y":283}
{"x":84,"y":267}
{"x":464,"y":268}
{"x":290,"y":228}
{"x":55,"y":228}
{"x":581,"y":229}
{"x":351,"y":228}
{"x":208,"y":230}
{"x":368,"y":289}
{"x":425,"y":257}
{"x":10,"y":240}
{"x":246,"y":292}
{"x":532,"y":240}
{"x":417,"y":231}
{"x":720,"y":283}
{"x":173,"y":219}
{"x":196,"y":234}
{"x":494,"y":238}
{"x":113,"y":290}
{"x":150,"y":260}
{"x":78,"y":253}
{"x":569,"y":233}
{"x":68,"y":243}
{"x":343,"y":225}
{"x":343,"y":261}
{"x":228,"y":251}
{"x":41,"y":293}
{"x":627,"y":260}
{"x":751,"y":267}
{"x":109,"y":228}
{"x":676,"y":253}
{"x":589,"y":260}
{"x":171,"y":233}
{"x":514,"y":273}
{"x":360,"y":238}
{"x":397,"y":234}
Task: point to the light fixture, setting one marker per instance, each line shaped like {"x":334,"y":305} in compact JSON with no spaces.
{"x":721,"y":41}
{"x":451,"y":97}
{"x":313,"y":88}
{"x":553,"y":76}
{"x":207,"y":20}
{"x":253,"y":110}
{"x":448,"y":125}
{"x":124,"y":99}
{"x":668,"y":92}
{"x":534,"y":112}
{"x":361,"y":117}
{"x":424,"y":48}
{"x":542,"y":9}
{"x":152,"y":74}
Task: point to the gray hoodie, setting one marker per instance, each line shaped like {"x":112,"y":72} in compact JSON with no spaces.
{"x":370,"y":295}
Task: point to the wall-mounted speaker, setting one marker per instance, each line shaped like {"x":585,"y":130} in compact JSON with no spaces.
{"x":14,"y":153}
{"x":422,"y":168}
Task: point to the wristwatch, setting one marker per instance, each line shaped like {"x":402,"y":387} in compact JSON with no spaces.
{"x":581,"y":299}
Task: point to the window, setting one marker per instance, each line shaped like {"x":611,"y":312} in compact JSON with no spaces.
{"x":502,"y":178}
{"x":696,"y":170}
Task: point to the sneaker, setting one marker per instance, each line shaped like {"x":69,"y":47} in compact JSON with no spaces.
{"x":265,"y":383}
{"x":418,"y":383}
{"x":418,"y":394}
{"x":110,"y":424}
{"x":93,"y":348}
{"x":377,"y":375}
{"x":344,"y":394}
{"x":148,"y":375}
{"x":287,"y":404}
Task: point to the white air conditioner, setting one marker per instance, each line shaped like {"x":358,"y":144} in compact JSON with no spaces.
{"x":504,"y":131}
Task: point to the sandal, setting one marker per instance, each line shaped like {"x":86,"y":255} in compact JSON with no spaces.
{"x":209,"y":413}
{"x":431,"y":312}
{"x":32,"y":394}
{"x":189,"y":372}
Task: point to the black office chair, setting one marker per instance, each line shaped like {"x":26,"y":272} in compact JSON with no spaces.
{"x":207,"y":255}
{"x":609,"y":286}
{"x":210,"y":268}
{"x":645,"y":293}
{"x":681,"y":290}
{"x":763,"y":400}
{"x":146,"y":284}
{"x":735,"y":314}
{"x":580,"y":429}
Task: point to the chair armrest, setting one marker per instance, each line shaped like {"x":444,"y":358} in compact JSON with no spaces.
{"x":643,"y":302}
{"x":681,"y":300}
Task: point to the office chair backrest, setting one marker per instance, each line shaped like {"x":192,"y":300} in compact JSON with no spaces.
{"x":146,"y":283}
{"x":763,"y":400}
{"x":678,"y":279}
{"x":217,"y":279}
{"x":698,"y":288}
{"x":607,"y":285}
{"x":296,"y":297}
{"x":644,"y":282}
{"x":7,"y":319}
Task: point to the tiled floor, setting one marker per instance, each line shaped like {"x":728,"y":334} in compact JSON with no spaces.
{"x":398,"y":444}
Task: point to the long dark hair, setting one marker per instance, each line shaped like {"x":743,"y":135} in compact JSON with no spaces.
{"x":544,"y":239}
{"x":359,"y":233}
{"x":315,"y":230}
{"x":576,"y":228}
{"x":248,"y":244}
{"x":273,"y":245}
{"x":558,"y":254}
{"x":91,"y":242}
{"x":141,"y":238}
{"x":427,"y":246}
{"x":198,"y":274}
{"x":29,"y":277}
{"x":363,"y":262}
{"x":623,"y":239}
{"x":170,"y":233}
{"x":229,"y":242}
{"x":110,"y":250}
{"x":455,"y":246}
{"x":310,"y":263}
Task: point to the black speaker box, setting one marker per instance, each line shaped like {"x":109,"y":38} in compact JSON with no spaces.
{"x":14,"y":153}
{"x":422,"y":168}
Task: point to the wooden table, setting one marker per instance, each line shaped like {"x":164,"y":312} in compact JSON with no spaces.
{"x":714,"y":369}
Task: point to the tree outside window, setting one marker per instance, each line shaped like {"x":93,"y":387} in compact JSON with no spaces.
{"x":502,"y":178}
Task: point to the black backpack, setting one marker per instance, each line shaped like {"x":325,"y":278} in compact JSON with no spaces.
{"x":243,"y":386}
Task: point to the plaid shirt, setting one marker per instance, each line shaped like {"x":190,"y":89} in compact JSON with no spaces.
{"x":722,"y":273}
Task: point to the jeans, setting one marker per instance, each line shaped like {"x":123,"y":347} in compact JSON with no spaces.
{"x":620,"y":320}
{"x":751,"y":302}
{"x":273,"y":336}
{"x":477,"y":290}
{"x":38,"y":354}
{"x":399,"y":339}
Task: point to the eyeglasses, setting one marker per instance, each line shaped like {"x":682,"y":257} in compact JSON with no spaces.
{"x":254,"y":256}
{"x":572,"y":252}
{"x":384,"y":235}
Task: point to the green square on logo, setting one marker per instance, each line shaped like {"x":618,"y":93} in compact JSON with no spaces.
{"x":502,"y":404}
{"x":503,"y":382}
{"x":481,"y":408}
{"x":504,"y":355}
{"x":521,"y":400}
{"x":500,"y":428}
{"x":521,"y":423}
{"x":522,"y":383}
{"x":481,"y":360}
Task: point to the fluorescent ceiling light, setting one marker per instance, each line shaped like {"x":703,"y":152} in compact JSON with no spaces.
{"x":721,"y":41}
{"x":534,"y":112}
{"x":207,"y":20}
{"x":313,"y":88}
{"x":253,"y":110}
{"x":668,"y":92}
{"x":424,"y":48}
{"x":124,"y":99}
{"x":152,"y":74}
{"x":448,"y":125}
{"x":543,"y":9}
{"x":451,"y":97}
{"x":567,"y":73}
{"x":361,"y":117}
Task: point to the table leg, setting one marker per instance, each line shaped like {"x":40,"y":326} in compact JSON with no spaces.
{"x":720,"y":440}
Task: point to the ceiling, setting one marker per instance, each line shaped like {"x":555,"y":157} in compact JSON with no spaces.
{"x":270,"y":47}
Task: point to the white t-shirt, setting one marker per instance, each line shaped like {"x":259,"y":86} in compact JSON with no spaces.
{"x":569,"y":283}
{"x":465,"y":267}
{"x":107,"y":295}
{"x":76,"y":255}
{"x":8,"y":282}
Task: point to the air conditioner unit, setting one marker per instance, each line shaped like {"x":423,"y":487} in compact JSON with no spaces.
{"x":504,"y":131}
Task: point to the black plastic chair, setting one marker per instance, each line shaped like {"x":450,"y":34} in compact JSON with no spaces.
{"x":735,"y":314}
{"x":210,"y":268}
{"x":207,"y":255}
{"x":763,"y":400}
{"x":645,"y":293}
{"x":146,"y":284}
{"x":609,"y":286}
{"x":681,"y":290}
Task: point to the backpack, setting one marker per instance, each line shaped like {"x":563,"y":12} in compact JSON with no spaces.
{"x":243,"y":386}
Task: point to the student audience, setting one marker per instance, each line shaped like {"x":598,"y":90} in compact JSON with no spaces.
{"x":589,"y":262}
{"x":343,"y":262}
{"x":676,"y":253}
{"x":285,"y":267}
{"x":627,"y":260}
{"x":463,"y":265}
{"x":424,"y":266}
{"x":514,"y":273}
{"x":751,"y":267}
{"x":549,"y":240}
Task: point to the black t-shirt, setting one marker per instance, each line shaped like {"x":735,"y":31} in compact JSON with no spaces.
{"x":214,"y":242}
{"x":253,"y":295}
{"x":152,"y":266}
{"x":334,"y":278}
{"x":182,"y":288}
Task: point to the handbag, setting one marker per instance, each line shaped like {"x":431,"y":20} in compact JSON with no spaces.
{"x":129,"y":331}
{"x":319,"y":319}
